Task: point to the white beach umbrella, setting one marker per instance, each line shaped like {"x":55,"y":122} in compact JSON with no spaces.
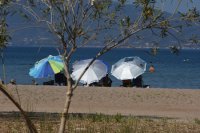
{"x":128,"y":68}
{"x":95,"y":72}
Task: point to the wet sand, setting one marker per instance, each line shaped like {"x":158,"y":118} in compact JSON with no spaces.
{"x":151,"y":102}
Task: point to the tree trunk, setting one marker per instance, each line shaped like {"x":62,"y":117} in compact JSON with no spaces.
{"x":66,"y":110}
{"x":69,"y":95}
{"x":30,"y":125}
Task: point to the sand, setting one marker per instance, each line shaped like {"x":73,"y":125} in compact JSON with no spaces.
{"x":151,"y":102}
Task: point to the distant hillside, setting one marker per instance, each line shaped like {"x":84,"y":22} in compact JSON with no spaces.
{"x":27,"y":33}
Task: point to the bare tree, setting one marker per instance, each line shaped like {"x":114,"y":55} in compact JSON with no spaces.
{"x":77,"y":23}
{"x":4,"y":39}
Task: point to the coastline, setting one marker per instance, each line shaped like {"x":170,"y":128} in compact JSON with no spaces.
{"x":153,"y":102}
{"x":99,"y":46}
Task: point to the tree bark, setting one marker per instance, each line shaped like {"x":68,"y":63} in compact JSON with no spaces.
{"x":69,"y":95}
{"x":65,"y":111}
{"x":30,"y":125}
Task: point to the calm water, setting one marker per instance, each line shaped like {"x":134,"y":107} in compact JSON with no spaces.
{"x":171,"y":70}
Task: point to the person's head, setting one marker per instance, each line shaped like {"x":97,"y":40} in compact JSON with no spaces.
{"x":151,"y":69}
{"x":13,"y":81}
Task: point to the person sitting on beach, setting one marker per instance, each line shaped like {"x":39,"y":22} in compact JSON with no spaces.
{"x":106,"y":81}
{"x":94,"y":84}
{"x":13,"y":81}
{"x":138,"y":82}
{"x":34,"y":82}
{"x":126,"y":83}
{"x":1,"y":81}
{"x":50,"y":82}
{"x":60,"y":79}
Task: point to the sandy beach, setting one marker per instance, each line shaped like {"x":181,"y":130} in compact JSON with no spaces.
{"x":153,"y":102}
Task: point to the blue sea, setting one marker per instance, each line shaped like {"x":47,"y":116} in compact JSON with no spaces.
{"x":172,"y":71}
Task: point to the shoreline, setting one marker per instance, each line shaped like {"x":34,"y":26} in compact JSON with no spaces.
{"x":151,"y":102}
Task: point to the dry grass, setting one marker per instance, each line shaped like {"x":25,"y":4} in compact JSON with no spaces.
{"x":98,"y":123}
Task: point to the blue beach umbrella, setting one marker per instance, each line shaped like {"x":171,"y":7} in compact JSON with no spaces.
{"x":47,"y":67}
